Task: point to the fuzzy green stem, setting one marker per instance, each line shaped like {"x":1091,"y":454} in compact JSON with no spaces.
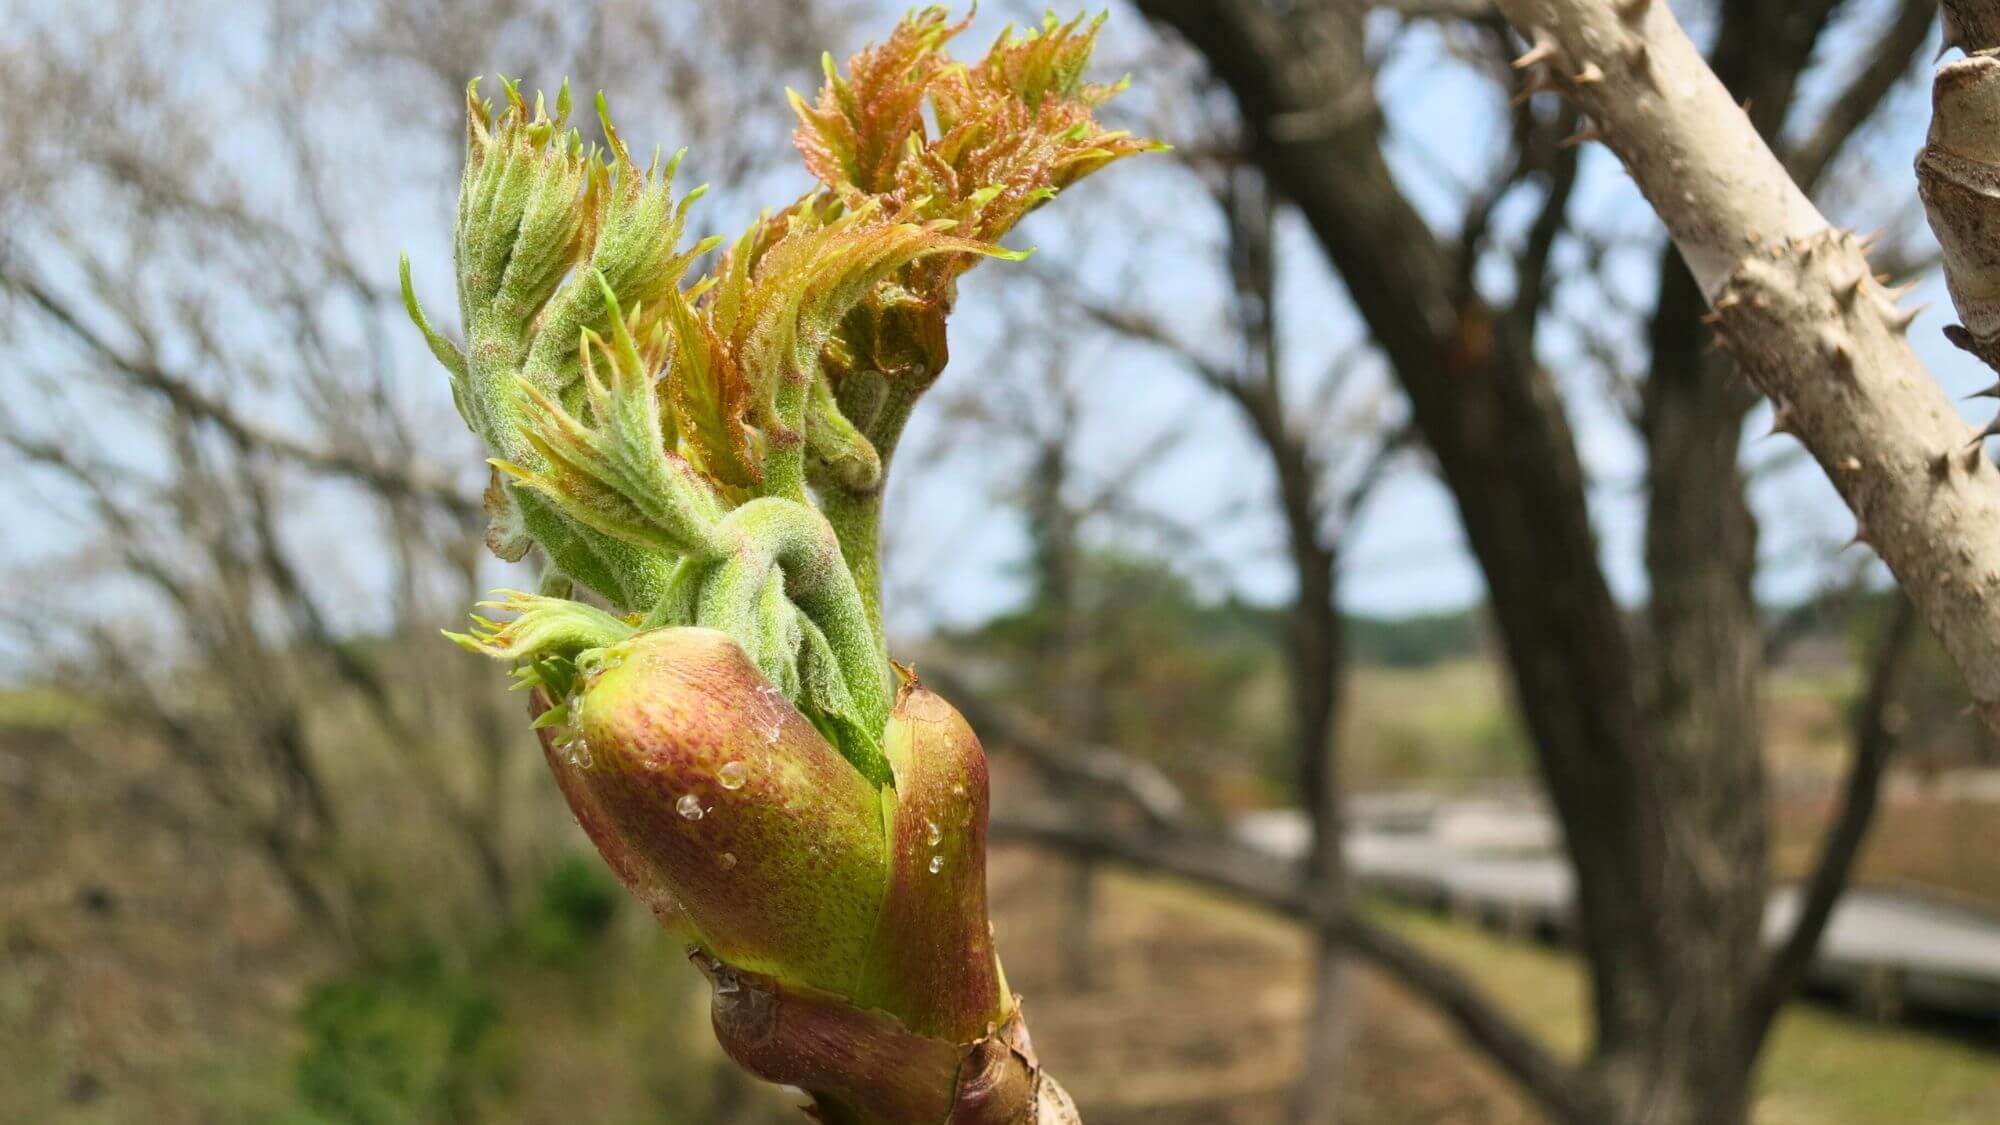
{"x":856,"y":518}
{"x":785,"y":465}
{"x":856,"y":513}
{"x":796,"y":540}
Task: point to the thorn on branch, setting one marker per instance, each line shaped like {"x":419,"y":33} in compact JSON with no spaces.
{"x":1986,"y":392}
{"x":1589,"y":75}
{"x":1901,"y":319}
{"x":1537,"y":83}
{"x":1781,"y":421}
{"x":1543,"y":50}
{"x":1588,"y":132}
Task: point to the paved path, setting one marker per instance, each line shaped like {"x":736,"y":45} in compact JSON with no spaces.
{"x":1888,"y":947}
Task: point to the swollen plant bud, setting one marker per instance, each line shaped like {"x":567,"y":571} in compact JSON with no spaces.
{"x":932,"y":961}
{"x":704,"y":779}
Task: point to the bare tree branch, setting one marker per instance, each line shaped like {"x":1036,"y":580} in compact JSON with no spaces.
{"x":1889,"y":61}
{"x":185,"y":396}
{"x":1148,"y":790}
{"x":1874,"y":734}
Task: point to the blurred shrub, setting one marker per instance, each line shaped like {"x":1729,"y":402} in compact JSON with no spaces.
{"x":576,"y":905}
{"x":408,"y":1041}
{"x":419,"y":1036}
{"x":1417,"y":641}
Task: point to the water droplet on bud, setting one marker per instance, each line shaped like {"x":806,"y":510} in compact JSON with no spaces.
{"x":727,"y":860}
{"x":932,"y":832}
{"x":958,"y":790}
{"x":733,"y":775}
{"x":689,"y":806}
{"x":774,"y":706}
{"x":937,"y":864}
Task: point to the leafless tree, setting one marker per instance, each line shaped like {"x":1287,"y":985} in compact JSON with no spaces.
{"x":1646,"y":731}
{"x":210,"y":370}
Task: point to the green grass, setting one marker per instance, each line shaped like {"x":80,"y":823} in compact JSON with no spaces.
{"x":40,"y":709}
{"x":1441,"y":725}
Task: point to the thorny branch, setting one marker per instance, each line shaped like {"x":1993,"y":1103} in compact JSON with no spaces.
{"x":1795,"y":302}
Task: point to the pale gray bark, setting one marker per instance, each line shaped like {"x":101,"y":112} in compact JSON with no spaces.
{"x":1795,"y":303}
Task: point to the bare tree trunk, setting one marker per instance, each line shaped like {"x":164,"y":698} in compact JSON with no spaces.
{"x":1322,"y":1094}
{"x":1314,"y":637}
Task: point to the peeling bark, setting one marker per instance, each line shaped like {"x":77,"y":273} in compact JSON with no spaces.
{"x":1796,"y":306}
{"x":1958,"y":176}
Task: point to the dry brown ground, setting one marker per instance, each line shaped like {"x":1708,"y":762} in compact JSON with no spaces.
{"x":1194,"y":1011}
{"x":134,"y":954}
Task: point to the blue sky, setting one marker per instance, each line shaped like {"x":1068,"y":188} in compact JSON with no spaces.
{"x":1142,"y":233}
